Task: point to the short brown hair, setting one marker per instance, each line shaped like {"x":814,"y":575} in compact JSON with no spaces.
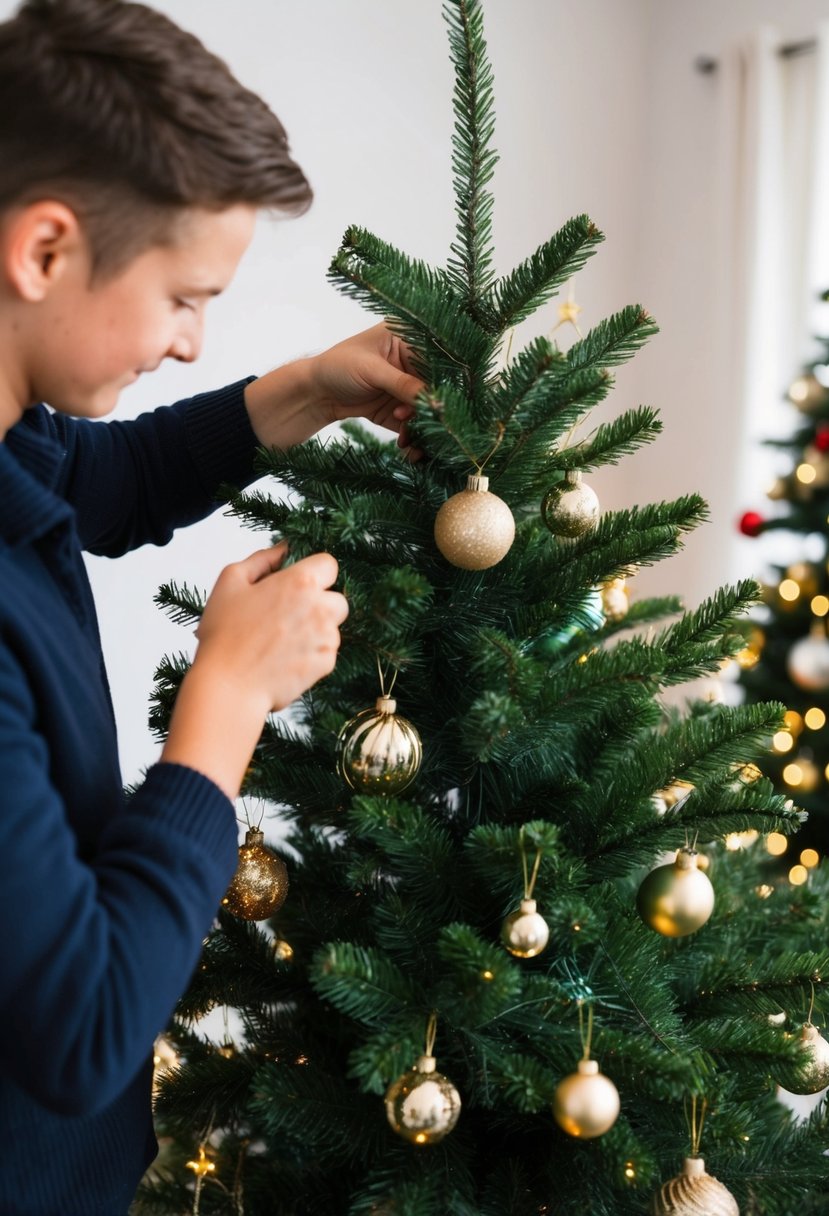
{"x":113,"y":108}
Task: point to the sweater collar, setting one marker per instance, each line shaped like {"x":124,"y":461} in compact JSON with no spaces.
{"x":30,"y":466}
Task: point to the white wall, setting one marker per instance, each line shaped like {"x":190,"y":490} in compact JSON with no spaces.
{"x":599,"y":110}
{"x":676,"y":273}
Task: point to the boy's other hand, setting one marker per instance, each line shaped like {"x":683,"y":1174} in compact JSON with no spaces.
{"x":266,"y":635}
{"x":369,"y":375}
{"x":273,"y":631}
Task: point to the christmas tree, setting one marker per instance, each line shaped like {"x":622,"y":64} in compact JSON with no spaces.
{"x":787,"y":652}
{"x":479,"y":996}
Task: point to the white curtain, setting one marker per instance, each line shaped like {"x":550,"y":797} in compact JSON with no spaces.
{"x":773,"y":249}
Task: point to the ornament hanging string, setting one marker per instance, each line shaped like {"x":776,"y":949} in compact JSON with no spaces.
{"x":529,"y":882}
{"x":246,"y":821}
{"x":383,"y":680}
{"x":431,"y":1033}
{"x":586,"y":1040}
{"x":479,"y":465}
{"x":695,"y":1126}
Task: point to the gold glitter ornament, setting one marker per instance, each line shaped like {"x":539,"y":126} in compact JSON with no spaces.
{"x":571,"y":508}
{"x":474,"y":529}
{"x":260,"y":884}
{"x":615,"y":600}
{"x":676,"y":899}
{"x":378,"y":751}
{"x":694,"y":1193}
{"x":812,"y":1075}
{"x":423,"y":1105}
{"x":525,"y":933}
{"x":586,"y":1103}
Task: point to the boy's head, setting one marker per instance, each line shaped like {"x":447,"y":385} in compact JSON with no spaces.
{"x":114,"y":110}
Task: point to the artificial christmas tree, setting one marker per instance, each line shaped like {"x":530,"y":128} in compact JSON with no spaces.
{"x":404,"y":1049}
{"x":786,"y":656}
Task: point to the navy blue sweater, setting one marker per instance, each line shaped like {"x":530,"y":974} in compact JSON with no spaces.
{"x":103,"y":903}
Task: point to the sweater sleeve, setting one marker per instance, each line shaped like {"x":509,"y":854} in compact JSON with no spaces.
{"x":97,"y":951}
{"x":133,"y":483}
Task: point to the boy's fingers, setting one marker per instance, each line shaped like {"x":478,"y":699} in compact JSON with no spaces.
{"x":264,"y":561}
{"x":322,"y":567}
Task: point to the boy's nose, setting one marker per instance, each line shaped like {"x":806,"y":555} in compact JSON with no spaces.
{"x":186,"y":346}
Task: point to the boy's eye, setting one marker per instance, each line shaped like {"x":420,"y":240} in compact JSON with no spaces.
{"x":180,"y":303}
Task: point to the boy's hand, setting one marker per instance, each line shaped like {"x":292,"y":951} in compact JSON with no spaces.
{"x":367,"y":376}
{"x":274,"y":632}
{"x":266,"y":635}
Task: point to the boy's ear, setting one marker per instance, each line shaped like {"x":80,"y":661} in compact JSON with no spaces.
{"x":37,"y":241}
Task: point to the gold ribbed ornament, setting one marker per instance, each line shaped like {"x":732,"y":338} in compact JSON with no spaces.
{"x":676,"y":899}
{"x":586,"y":1103}
{"x":474,"y":529}
{"x":694,"y":1193}
{"x":615,"y":601}
{"x":812,"y":1075}
{"x":571,"y":508}
{"x":378,"y":751}
{"x":260,"y":884}
{"x":525,"y":933}
{"x":423,"y":1105}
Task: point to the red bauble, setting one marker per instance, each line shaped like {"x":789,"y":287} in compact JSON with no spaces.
{"x":751,"y":524}
{"x":822,"y":438}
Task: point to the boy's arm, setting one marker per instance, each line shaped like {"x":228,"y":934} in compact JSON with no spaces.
{"x":116,"y":902}
{"x":133,"y":483}
{"x":107,"y":941}
{"x":136,"y":482}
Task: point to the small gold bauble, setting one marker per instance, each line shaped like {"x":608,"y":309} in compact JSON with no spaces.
{"x":808,"y":661}
{"x":422,"y":1105}
{"x":812,"y":1075}
{"x":615,"y":600}
{"x":378,"y":751}
{"x":571,"y":508}
{"x":260,"y":884}
{"x":525,"y":933}
{"x":586,"y":1103}
{"x":807,"y":393}
{"x":282,"y":950}
{"x":694,"y":1193}
{"x":676,"y":899}
{"x":474,"y":529}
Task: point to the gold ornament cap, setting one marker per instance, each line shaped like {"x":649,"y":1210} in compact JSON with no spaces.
{"x":477,"y":482}
{"x":385,"y":705}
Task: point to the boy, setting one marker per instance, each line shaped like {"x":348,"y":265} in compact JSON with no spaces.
{"x":131,"y":169}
